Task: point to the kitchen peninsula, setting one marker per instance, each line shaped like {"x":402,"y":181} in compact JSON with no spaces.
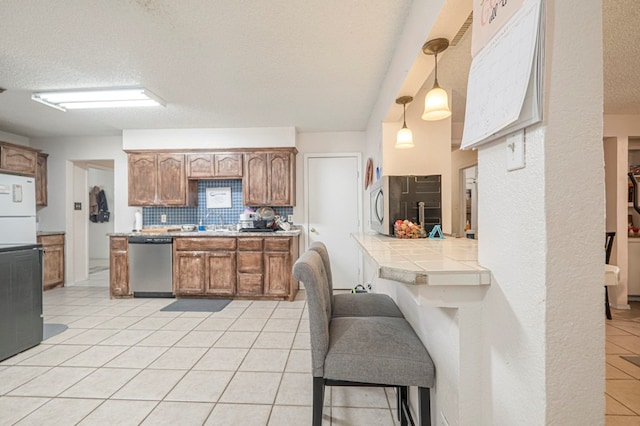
{"x":439,"y":286}
{"x":217,"y":264}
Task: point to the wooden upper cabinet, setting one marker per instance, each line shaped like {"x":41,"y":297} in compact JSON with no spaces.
{"x":143,"y":172}
{"x":214,"y":166}
{"x":280,"y":179}
{"x":172,"y":180}
{"x":200,"y":166}
{"x":18,"y":159}
{"x":254,"y":184}
{"x":41,"y":180}
{"x":228,"y":165}
{"x":159,"y":179}
{"x":269,"y":179}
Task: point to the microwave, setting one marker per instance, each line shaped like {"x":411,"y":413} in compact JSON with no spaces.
{"x":394,"y":198}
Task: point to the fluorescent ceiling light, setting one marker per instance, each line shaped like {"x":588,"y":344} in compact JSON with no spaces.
{"x":98,"y":98}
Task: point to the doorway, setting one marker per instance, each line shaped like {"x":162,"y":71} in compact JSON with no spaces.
{"x":469,"y":201}
{"x":89,"y":249}
{"x":332,"y":211}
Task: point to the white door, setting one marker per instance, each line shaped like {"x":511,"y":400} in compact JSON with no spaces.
{"x":333,"y":203}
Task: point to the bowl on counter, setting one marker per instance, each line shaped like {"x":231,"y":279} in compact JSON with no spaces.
{"x":188,"y":228}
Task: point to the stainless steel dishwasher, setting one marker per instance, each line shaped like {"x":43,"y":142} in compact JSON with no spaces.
{"x":150,"y":266}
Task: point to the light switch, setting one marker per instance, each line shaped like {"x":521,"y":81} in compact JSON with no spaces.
{"x":515,"y":151}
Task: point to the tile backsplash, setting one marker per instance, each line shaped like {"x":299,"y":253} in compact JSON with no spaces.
{"x":192,"y":215}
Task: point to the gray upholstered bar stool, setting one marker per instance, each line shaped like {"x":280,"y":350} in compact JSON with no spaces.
{"x":355,"y":305}
{"x":361,"y":351}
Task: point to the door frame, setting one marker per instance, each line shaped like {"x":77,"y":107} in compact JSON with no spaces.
{"x":358,"y":156}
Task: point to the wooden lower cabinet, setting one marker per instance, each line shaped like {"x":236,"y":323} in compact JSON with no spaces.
{"x":204,"y":266}
{"x":221,"y":273}
{"x":52,"y":260}
{"x":249,"y":267}
{"x":119,"y":267}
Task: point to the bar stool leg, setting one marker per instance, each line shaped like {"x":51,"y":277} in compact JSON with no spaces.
{"x":425,"y":406}
{"x":318,"y":400}
{"x":606,"y":302}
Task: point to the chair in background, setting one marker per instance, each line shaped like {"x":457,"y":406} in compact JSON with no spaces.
{"x":608,"y":246}
{"x":355,"y":305}
{"x":361,"y":351}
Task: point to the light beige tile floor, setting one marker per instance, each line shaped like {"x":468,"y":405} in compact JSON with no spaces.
{"x":125,"y":362}
{"x":622,"y":377}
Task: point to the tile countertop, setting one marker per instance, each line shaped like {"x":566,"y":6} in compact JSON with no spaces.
{"x":44,"y":233}
{"x":452,"y":261}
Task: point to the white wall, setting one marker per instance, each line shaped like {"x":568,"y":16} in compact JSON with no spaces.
{"x":12,"y":138}
{"x":264,"y":137}
{"x":98,"y":240}
{"x":459,"y":161}
{"x":543,"y":236}
{"x":59,"y":214}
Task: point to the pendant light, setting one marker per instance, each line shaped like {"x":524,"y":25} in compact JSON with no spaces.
{"x":405,"y":137}
{"x":436,"y":103}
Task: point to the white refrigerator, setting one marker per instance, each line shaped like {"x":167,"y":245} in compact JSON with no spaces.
{"x":17,"y":209}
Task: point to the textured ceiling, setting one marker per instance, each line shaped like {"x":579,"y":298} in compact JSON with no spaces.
{"x":313,"y":65}
{"x":621,"y":38}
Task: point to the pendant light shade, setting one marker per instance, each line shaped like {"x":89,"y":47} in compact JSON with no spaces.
{"x":436,"y":103}
{"x":405,"y":136}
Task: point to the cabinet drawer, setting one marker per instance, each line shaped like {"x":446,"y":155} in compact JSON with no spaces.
{"x":204,"y":244}
{"x":51,"y":240}
{"x":277,"y":244}
{"x":119,"y":243}
{"x":250,"y":244}
{"x":250,"y":262}
{"x":249,"y":284}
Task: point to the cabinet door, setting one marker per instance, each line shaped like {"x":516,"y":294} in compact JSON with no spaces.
{"x":41,"y":180}
{"x":228,"y":165}
{"x":119,"y":273}
{"x":19,"y":160}
{"x":280,"y":179}
{"x":221,"y":266}
{"x":172,"y":182}
{"x":142,"y":179}
{"x":53,"y":266}
{"x":189,"y":272}
{"x":254,"y":184}
{"x":277,"y":271}
{"x":200,"y":166}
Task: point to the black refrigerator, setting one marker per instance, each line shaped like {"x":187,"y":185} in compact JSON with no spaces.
{"x":20,"y":298}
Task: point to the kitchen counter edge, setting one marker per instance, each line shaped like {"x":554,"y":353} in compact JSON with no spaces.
{"x":46,"y":233}
{"x":398,"y":263}
{"x":201,"y":234}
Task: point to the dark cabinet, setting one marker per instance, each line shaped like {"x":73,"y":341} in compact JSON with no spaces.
{"x":41,"y":180}
{"x":20,"y":300}
{"x":269,"y":179}
{"x":214,"y":166}
{"x":119,"y":267}
{"x":53,"y":260}
{"x":18,"y":159}
{"x":159,"y":180}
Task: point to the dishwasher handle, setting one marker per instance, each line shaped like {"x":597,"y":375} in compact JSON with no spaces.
{"x":150,"y":240}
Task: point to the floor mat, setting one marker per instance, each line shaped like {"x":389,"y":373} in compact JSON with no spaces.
{"x":197,"y":305}
{"x":632,"y":359}
{"x":50,"y":330}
